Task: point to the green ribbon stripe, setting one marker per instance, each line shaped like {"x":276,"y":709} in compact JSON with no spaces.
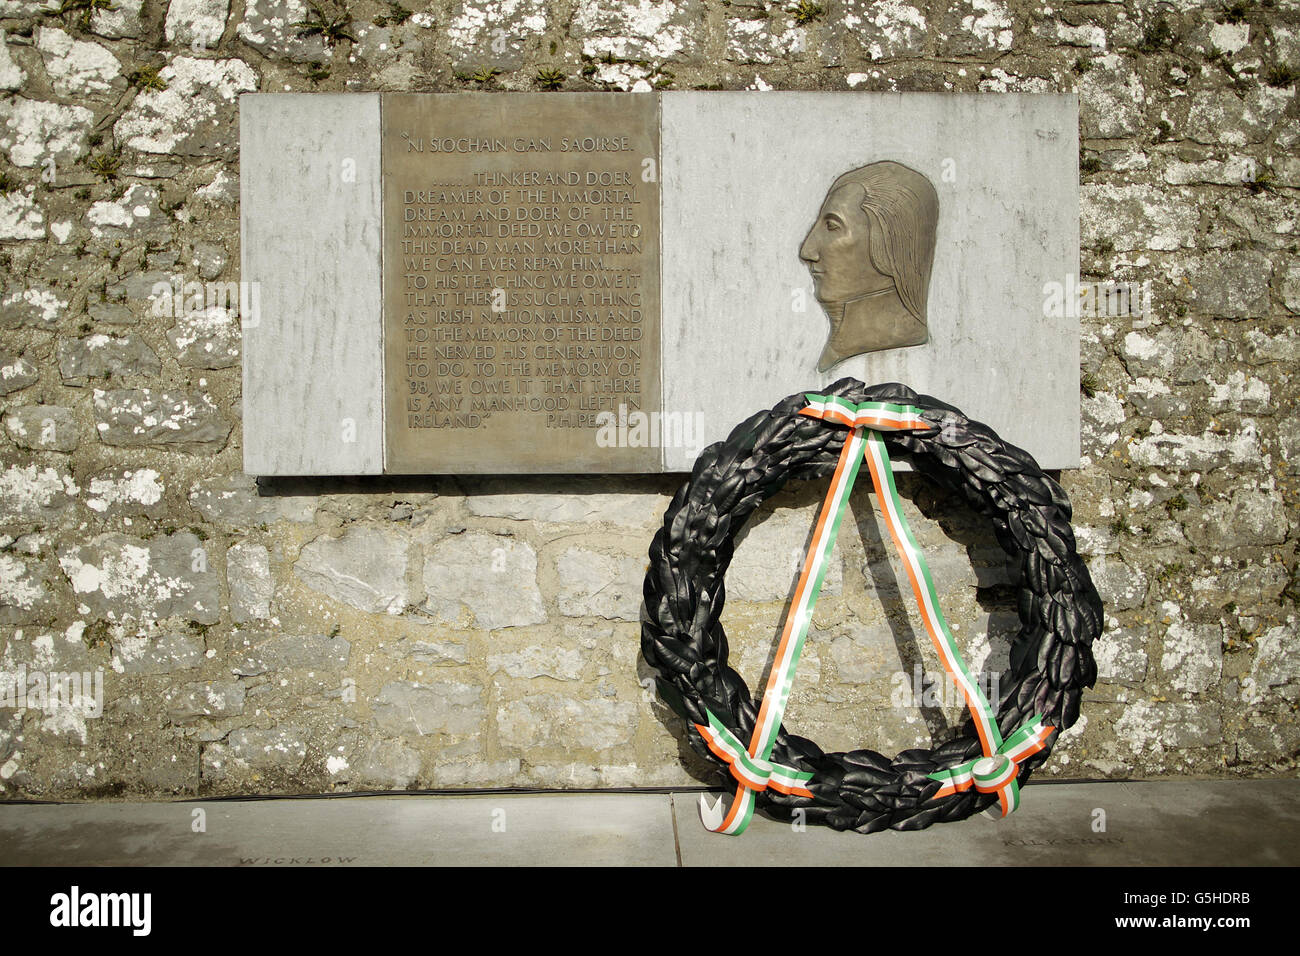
{"x":979,"y":706}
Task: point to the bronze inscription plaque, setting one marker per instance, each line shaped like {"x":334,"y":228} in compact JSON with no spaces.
{"x":521,"y":281}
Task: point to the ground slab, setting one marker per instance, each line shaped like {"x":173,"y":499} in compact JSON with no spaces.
{"x":1165,"y":823}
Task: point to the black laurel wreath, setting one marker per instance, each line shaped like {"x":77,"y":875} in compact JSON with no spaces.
{"x":684,"y":643}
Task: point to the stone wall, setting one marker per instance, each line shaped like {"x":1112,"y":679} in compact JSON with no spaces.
{"x":314,"y":636}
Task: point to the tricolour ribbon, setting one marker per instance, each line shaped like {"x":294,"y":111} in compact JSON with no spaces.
{"x":751,"y":770}
{"x":750,"y":766}
{"x":996,"y":771}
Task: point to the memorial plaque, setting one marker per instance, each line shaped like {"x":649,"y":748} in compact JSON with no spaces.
{"x":521,"y":281}
{"x":534,"y":283}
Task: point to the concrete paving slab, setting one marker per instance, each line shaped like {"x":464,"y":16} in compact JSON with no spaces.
{"x":491,"y":830}
{"x":1158,"y":823}
{"x":1163,"y":823}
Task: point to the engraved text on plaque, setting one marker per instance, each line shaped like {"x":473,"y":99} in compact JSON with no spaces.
{"x":521,"y":280}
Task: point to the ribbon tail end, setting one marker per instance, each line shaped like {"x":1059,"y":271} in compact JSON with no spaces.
{"x":711,"y":816}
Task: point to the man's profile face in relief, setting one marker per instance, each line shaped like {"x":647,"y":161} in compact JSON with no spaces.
{"x":837,"y":249}
{"x":869,"y":252}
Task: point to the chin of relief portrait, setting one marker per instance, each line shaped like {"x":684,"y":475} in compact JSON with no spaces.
{"x":870,"y":252}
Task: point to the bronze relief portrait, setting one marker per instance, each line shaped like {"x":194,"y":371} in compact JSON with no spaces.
{"x":870,"y":253}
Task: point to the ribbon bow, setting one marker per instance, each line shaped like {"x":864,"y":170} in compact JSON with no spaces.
{"x":997,"y":770}
{"x":997,"y":773}
{"x":752,"y":772}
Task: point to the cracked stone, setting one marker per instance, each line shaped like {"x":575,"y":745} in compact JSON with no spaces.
{"x":433,"y":652}
{"x":117,"y":577}
{"x":1222,"y":117}
{"x":494,"y":34}
{"x":389,"y":765}
{"x":164,"y":654}
{"x":1120,"y":586}
{"x":1193,"y":654}
{"x":195,"y":115}
{"x":209,"y":258}
{"x":223,"y":190}
{"x":146,"y":416}
{"x":654,"y":30}
{"x":42,"y":427}
{"x":1248,"y":517}
{"x":364,"y":567}
{"x":563,"y":722}
{"x":1268,"y":740}
{"x":883,"y":31}
{"x":1145,"y":725}
{"x":33,"y":130}
{"x":31,"y":308}
{"x":32,"y":493}
{"x":126,"y":492}
{"x":294,"y":652}
{"x":598,"y":585}
{"x":1291,"y":287}
{"x":764,"y":41}
{"x":248,"y":576}
{"x":1121,"y":656}
{"x":136,"y":214}
{"x":407,"y":709}
{"x":1112,"y":99}
{"x":213,"y":699}
{"x":24,"y":593}
{"x":105,"y":356}
{"x":78,"y":68}
{"x":16,"y":373}
{"x":197,"y":24}
{"x":124,"y":20}
{"x":1232,"y":285}
{"x":20,"y":217}
{"x":625,"y":510}
{"x":1275,"y":671}
{"x":492,"y":576}
{"x":12,"y":76}
{"x":138,"y":289}
{"x":767,"y":560}
{"x":1135,"y":216}
{"x":1177,"y":452}
{"x":109,"y":313}
{"x":1232,"y":172}
{"x":281,"y":749}
{"x":269,"y":26}
{"x":233,"y":501}
{"x":1153,"y":398}
{"x":865,"y":653}
{"x":560,"y":663}
{"x":972,"y":27}
{"x":206,"y":339}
